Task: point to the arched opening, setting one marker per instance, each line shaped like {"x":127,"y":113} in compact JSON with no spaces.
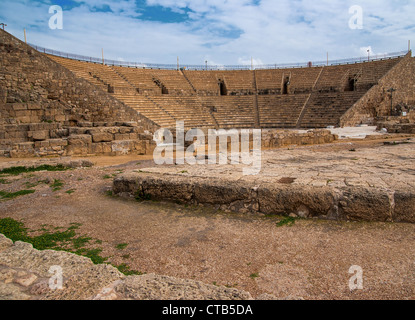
{"x":285,"y":87}
{"x":351,"y":84}
{"x":222,"y":88}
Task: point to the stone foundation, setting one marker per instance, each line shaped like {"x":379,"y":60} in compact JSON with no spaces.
{"x":281,"y":138}
{"x":405,"y":125}
{"x":45,"y":108}
{"x":341,"y":181}
{"x":351,"y":203}
{"x":49,"y":140}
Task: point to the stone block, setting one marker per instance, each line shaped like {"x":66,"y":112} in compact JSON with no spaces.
{"x":97,"y":148}
{"x":368,"y":204}
{"x":140,"y":147}
{"x":60,"y":118}
{"x":303,"y":201}
{"x":34,"y":106}
{"x":122,"y":136}
{"x":80,"y":140}
{"x":25,"y":145}
{"x":40,"y":135}
{"x":22,"y":153}
{"x":124,"y":130}
{"x":24,"y":119}
{"x":58,"y":142}
{"x":76,"y":150}
{"x":19,"y":106}
{"x":404,"y":207}
{"x":102,"y":137}
{"x":59,"y":133}
{"x":133,"y":136}
{"x":123,"y":147}
{"x":77,"y":131}
{"x":85,"y":124}
{"x":42,"y":144}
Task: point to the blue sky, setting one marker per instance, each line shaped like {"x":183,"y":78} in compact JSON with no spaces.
{"x":218,"y":31}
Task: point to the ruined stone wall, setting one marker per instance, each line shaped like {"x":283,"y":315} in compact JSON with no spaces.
{"x":113,"y":139}
{"x":41,"y":100}
{"x":403,"y":124}
{"x":349,"y":203}
{"x":377,"y":101}
{"x":281,"y":138}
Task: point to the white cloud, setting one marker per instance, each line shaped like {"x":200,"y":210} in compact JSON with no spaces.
{"x":248,"y":62}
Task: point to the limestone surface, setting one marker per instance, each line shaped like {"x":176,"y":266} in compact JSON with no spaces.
{"x":375,"y":184}
{"x":26,"y":273}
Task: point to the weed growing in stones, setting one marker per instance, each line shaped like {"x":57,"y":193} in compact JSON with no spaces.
{"x":11,"y":195}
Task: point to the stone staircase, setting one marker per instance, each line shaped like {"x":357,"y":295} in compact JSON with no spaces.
{"x":166,"y":96}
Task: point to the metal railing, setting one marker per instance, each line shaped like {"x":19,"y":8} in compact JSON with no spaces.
{"x":217,"y":67}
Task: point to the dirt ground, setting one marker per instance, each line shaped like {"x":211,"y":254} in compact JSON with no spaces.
{"x":310,"y":259}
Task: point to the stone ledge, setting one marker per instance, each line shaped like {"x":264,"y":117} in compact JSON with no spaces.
{"x":356,"y":203}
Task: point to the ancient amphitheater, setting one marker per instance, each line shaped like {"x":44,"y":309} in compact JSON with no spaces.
{"x":80,"y":191}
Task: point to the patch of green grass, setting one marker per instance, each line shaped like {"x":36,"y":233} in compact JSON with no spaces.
{"x":31,"y":185}
{"x":4,"y":181}
{"x":286,"y":221}
{"x":16,"y":231}
{"x":70,"y":191}
{"x":57,"y":185}
{"x":93,"y":254}
{"x":66,"y":240}
{"x":126,"y":256}
{"x":184,"y":171}
{"x":125,"y":269}
{"x":253,"y":276}
{"x":80,"y":242}
{"x":107,"y":176}
{"x":109,"y":193}
{"x":12,"y":229}
{"x":11,"y":195}
{"x":121,"y":246}
{"x":14,"y":171}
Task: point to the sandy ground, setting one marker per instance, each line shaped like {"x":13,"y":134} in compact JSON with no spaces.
{"x":310,"y":259}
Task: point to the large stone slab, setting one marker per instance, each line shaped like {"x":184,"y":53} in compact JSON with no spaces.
{"x":348,"y":203}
